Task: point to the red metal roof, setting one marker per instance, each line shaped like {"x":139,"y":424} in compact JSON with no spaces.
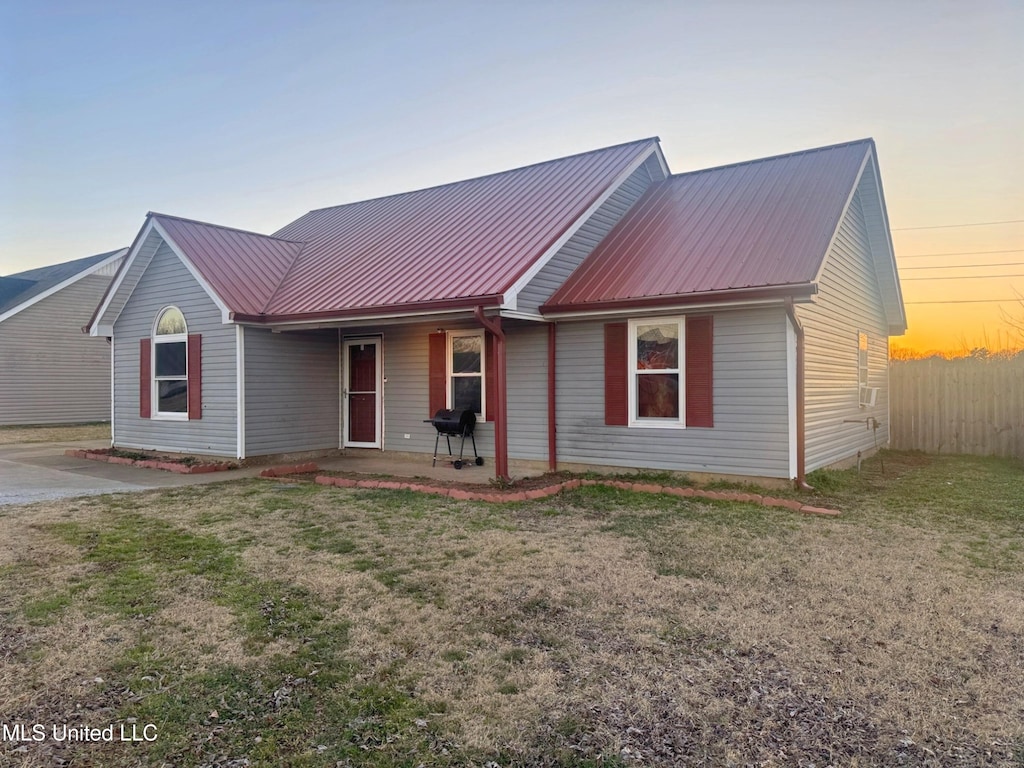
{"x":764,"y":224}
{"x":450,"y":245}
{"x":243,"y":268}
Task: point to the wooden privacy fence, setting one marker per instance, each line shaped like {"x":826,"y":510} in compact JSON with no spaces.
{"x":967,"y":405}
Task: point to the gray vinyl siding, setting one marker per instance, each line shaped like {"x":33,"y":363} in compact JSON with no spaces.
{"x":167,"y":281}
{"x":130,"y":278}
{"x":750,"y":435}
{"x":406,"y":394}
{"x":291,"y":391}
{"x":848,"y":301}
{"x":582,"y":243}
{"x":50,"y":372}
{"x":527,"y":363}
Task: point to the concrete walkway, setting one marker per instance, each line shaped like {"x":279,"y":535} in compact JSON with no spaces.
{"x":40,"y":471}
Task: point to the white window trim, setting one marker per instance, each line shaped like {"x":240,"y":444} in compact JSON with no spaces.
{"x":657,"y":423}
{"x":449,"y":375}
{"x":157,"y":414}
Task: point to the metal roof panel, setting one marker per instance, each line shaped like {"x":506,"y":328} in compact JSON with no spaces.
{"x":244,"y":268}
{"x":469,"y":238}
{"x":762,"y":223}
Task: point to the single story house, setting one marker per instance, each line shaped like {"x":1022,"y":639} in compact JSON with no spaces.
{"x":594,"y":310}
{"x":49,"y":372}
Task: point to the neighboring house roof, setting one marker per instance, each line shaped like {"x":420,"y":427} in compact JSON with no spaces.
{"x":759,"y":225}
{"x":21,"y":290}
{"x":11,"y":288}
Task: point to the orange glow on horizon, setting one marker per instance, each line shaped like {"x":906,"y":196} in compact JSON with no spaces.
{"x":963,"y":288}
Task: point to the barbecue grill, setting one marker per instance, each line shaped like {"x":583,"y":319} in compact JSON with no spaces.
{"x":453,"y":423}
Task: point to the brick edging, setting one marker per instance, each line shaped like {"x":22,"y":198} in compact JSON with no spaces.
{"x":568,"y":485}
{"x":290,"y":469}
{"x":166,"y":466}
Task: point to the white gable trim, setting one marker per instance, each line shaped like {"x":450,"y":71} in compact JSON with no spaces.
{"x":100,"y":328}
{"x":512,"y":295}
{"x":842,"y":216}
{"x":225,"y":313}
{"x":62,"y":285}
{"x":890,"y":252}
{"x":879,"y":261}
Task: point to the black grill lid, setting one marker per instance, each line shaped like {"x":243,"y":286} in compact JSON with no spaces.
{"x":449,"y":421}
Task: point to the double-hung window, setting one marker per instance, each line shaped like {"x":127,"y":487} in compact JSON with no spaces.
{"x":170,"y":365}
{"x":466,"y":375}
{"x":865,"y":394}
{"x":656,"y":350}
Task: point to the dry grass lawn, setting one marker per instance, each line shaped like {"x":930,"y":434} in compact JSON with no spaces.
{"x":256,"y":623}
{"x":57,"y":433}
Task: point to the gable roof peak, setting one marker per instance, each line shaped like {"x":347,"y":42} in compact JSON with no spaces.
{"x":866,"y":142}
{"x":196,"y":222}
{"x":653,"y":140}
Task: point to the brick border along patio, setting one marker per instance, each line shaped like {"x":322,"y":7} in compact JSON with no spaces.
{"x":165,"y":465}
{"x":500,"y":497}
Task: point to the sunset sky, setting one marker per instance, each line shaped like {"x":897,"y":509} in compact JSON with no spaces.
{"x":248,"y":114}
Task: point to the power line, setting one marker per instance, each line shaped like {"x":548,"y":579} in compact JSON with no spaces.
{"x":953,"y":226}
{"x":968,"y":266}
{"x":964,"y":253}
{"x":967,"y":301}
{"x":963,"y":277}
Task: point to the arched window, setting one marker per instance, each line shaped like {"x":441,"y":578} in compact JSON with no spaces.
{"x":170,"y":363}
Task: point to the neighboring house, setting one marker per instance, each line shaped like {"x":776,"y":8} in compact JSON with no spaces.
{"x":593,"y":310}
{"x":49,"y":372}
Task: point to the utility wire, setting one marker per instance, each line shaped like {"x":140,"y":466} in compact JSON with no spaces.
{"x":968,"y":266}
{"x":953,"y":226}
{"x":964,"y":253}
{"x":962,"y":277}
{"x":968,"y":301}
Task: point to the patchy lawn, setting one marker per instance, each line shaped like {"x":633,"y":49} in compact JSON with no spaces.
{"x":57,"y":433}
{"x":256,"y":623}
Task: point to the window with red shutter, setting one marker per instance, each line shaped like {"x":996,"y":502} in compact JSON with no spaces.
{"x":172,"y":358}
{"x":658,"y":372}
{"x":461,"y":371}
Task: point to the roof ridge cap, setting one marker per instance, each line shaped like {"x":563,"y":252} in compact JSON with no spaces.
{"x":649,"y":139}
{"x":155,"y":214}
{"x":868,"y":142}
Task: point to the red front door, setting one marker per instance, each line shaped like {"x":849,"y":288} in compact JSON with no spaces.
{"x":362,"y":392}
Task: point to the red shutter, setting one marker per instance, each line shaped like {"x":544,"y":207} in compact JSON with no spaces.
{"x":699,"y":367}
{"x":437,"y":349}
{"x":616,"y":374}
{"x":145,"y":385}
{"x":195,"y":376}
{"x":490,"y":383}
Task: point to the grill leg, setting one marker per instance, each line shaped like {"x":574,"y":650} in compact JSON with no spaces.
{"x":436,"y":439}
